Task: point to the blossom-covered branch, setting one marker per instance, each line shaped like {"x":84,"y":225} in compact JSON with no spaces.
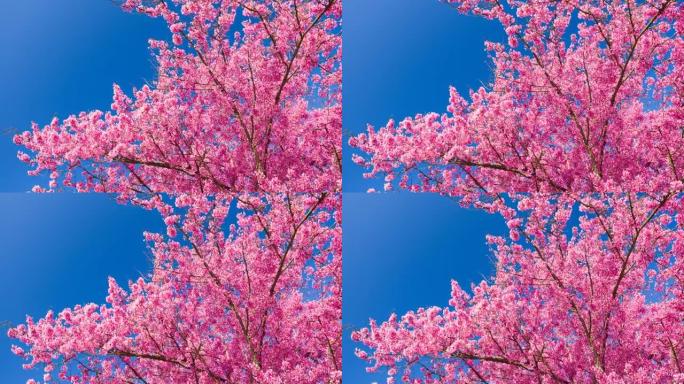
{"x":258,"y":303}
{"x":577,"y":143}
{"x":590,"y":296}
{"x":245,"y":114}
{"x":247,"y":98}
{"x":585,"y":96}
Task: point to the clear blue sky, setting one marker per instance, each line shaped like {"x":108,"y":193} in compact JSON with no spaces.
{"x":401,"y":250}
{"x":61,"y":57}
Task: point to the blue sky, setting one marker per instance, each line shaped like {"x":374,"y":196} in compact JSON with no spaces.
{"x":61,"y":57}
{"x":401,"y":250}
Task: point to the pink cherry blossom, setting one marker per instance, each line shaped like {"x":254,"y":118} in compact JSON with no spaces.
{"x":593,"y":107}
{"x":577,"y":144}
{"x":247,"y":100}
{"x":257,"y":303}
{"x":594,"y":301}
{"x":245,"y":114}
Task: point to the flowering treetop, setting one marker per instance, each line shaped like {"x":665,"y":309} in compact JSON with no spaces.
{"x":245,"y":111}
{"x":599,"y":300}
{"x":577,"y":143}
{"x":586,"y":96}
{"x":247,"y":99}
{"x":257,"y":301}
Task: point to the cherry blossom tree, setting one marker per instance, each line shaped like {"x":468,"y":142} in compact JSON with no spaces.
{"x":576,"y":143}
{"x":247,"y":98}
{"x":586,"y":96}
{"x":256,"y":302}
{"x":237,"y":145}
{"x":590,"y":296}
